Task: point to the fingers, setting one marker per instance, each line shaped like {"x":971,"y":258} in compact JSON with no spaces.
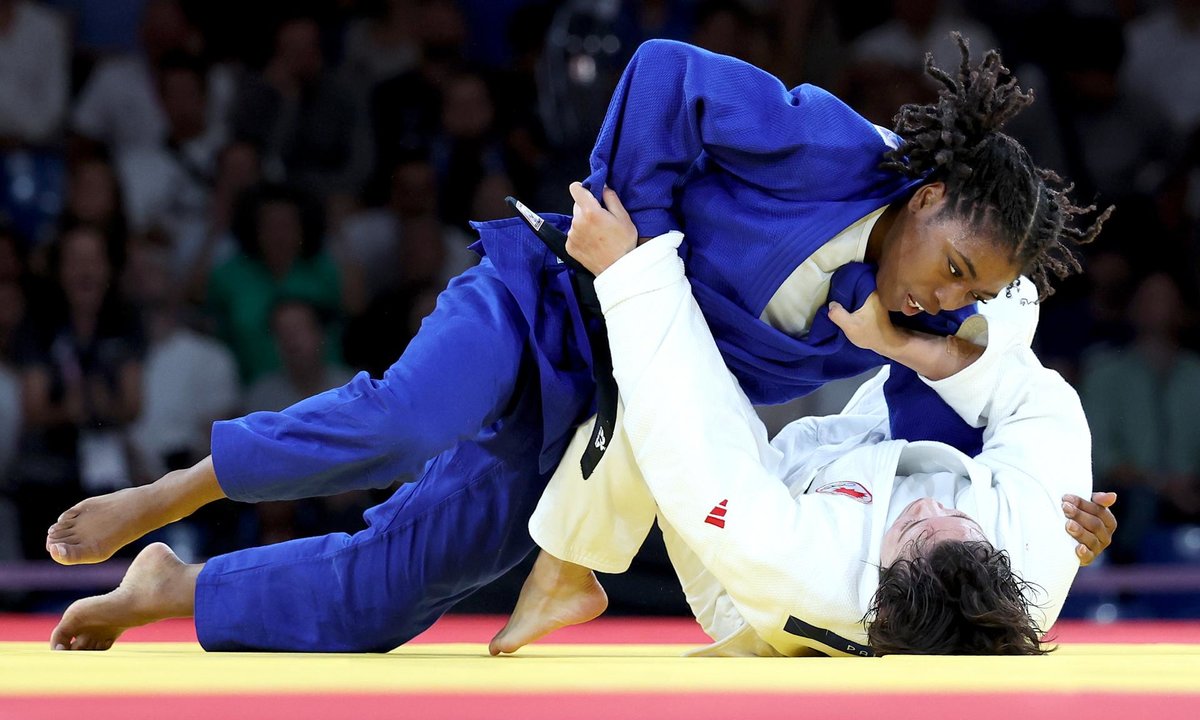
{"x":1107,"y":499}
{"x":838,"y":314}
{"x":1094,"y":509}
{"x":1089,"y":546}
{"x":1090,"y":524}
{"x":613,"y":203}
{"x":584,"y":199}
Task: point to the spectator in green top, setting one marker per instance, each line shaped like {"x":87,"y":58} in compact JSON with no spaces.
{"x":1143,"y":403}
{"x":279,"y":231}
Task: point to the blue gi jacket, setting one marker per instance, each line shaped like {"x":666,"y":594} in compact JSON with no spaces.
{"x":758,"y":177}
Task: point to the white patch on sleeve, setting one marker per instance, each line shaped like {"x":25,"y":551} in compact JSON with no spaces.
{"x":890,"y":138}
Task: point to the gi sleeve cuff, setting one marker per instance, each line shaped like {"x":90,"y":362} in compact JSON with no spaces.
{"x":653,"y":265}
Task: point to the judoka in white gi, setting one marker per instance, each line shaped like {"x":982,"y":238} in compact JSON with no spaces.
{"x":779,"y":545}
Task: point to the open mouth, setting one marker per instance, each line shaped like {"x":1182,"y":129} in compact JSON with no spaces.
{"x":914,"y":305}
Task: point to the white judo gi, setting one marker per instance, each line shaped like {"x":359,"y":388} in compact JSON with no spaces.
{"x":777,"y":544}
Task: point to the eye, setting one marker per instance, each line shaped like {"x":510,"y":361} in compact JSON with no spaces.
{"x":954,"y":271}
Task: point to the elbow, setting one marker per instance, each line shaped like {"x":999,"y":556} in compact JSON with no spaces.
{"x":659,"y":51}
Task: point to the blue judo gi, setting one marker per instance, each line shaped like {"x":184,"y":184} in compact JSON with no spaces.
{"x":475,"y":415}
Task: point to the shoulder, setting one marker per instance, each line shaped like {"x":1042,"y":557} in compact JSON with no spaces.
{"x":120,"y":69}
{"x":42,"y":20}
{"x":233,"y":275}
{"x":208,"y":351}
{"x":1103,"y":364}
{"x":1151,"y":27}
{"x":1189,"y":367}
{"x":321,"y":265}
{"x":238,"y":264}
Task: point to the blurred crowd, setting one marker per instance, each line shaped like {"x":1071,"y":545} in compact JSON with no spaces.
{"x":209,"y":208}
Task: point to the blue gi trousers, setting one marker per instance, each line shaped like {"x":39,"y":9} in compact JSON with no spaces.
{"x":462,"y":523}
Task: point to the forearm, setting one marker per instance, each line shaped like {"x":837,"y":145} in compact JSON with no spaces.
{"x":932,"y":356}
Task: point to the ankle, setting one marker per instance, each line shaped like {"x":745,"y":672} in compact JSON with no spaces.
{"x":182,"y":492}
{"x":563,"y":573}
{"x":178,"y":589}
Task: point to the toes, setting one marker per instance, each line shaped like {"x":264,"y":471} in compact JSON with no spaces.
{"x":64,"y":553}
{"x":503,"y":642}
{"x":58,"y":553}
{"x":51,"y":540}
{"x":82,"y":642}
{"x":494,"y":645}
{"x":61,"y":530}
{"x":92,"y":642}
{"x":65,"y":524}
{"x":61,"y":637}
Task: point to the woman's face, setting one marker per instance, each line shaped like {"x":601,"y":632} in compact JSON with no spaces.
{"x":92,"y":195}
{"x":280,"y":234}
{"x":924,"y":523}
{"x":930,"y":263}
{"x":84,"y":270}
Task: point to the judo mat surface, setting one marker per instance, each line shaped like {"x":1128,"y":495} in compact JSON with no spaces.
{"x":610,"y":668}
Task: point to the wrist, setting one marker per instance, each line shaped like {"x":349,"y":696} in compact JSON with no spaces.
{"x":893,"y":342}
{"x":600,"y":264}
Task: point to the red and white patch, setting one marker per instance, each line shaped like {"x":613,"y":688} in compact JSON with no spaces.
{"x":852,"y":490}
{"x":716,"y":516}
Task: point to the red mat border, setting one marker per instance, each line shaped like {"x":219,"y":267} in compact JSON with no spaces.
{"x":606,"y":706}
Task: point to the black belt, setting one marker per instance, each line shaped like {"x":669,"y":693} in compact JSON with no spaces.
{"x":583,"y":283}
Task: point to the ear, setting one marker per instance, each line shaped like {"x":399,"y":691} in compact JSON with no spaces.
{"x":928,"y":197}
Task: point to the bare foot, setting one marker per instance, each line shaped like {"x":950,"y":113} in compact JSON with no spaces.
{"x":157,"y":586}
{"x":94,"y":529}
{"x":556,"y":594}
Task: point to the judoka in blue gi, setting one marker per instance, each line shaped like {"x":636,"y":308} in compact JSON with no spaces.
{"x":476,"y":414}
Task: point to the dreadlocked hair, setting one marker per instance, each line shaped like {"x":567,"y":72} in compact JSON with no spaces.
{"x":952,"y":598}
{"x":991,"y":181}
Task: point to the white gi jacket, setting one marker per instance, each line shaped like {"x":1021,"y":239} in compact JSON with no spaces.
{"x":777,"y":543}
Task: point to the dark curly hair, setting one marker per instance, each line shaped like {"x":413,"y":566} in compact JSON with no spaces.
{"x":991,"y":182}
{"x":953,"y":598}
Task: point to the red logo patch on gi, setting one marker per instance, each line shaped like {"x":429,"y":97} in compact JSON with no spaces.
{"x":716,"y":516}
{"x":852,"y":490}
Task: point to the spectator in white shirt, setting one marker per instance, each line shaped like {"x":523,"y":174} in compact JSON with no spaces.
{"x":917,"y":26}
{"x":168,"y":185}
{"x":1164,"y":61}
{"x":189,"y":381}
{"x":35,"y":72}
{"x":119,"y":106}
